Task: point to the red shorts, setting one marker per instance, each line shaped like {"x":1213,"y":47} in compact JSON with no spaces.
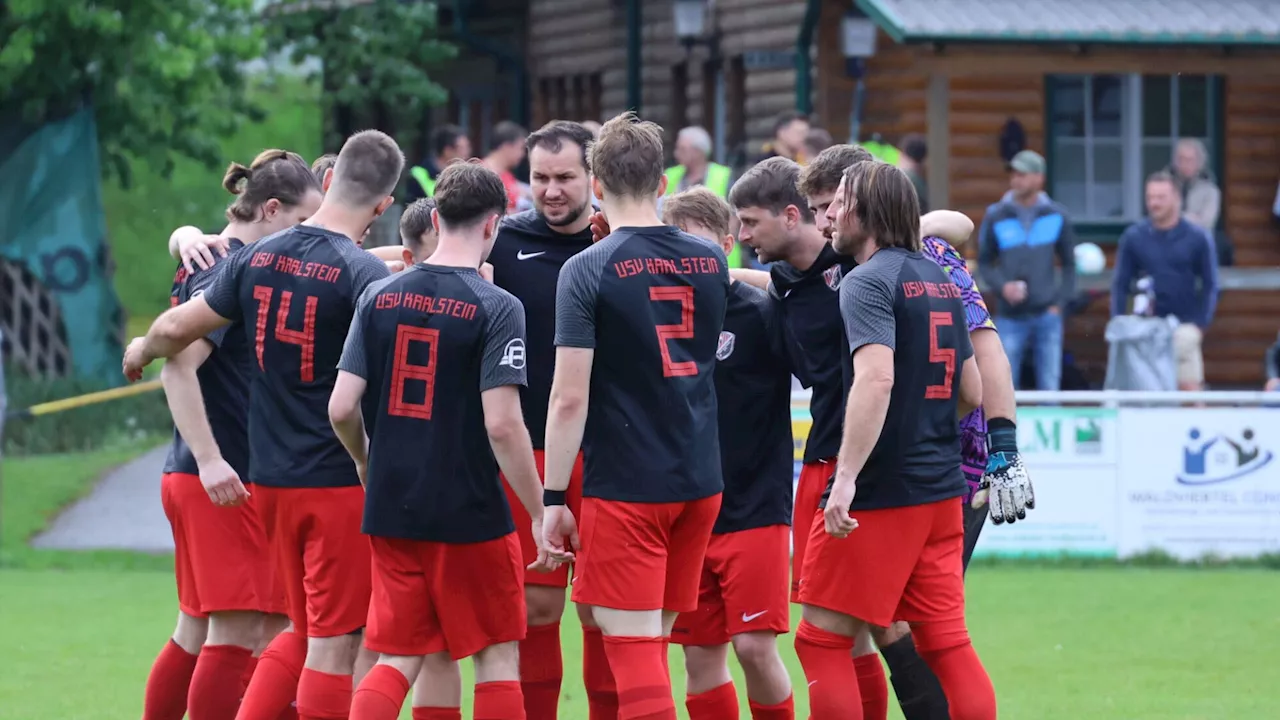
{"x":524,"y":525}
{"x":744,"y":588}
{"x":898,"y":564}
{"x":221,"y":558}
{"x":813,"y":482}
{"x":275,"y":598}
{"x":643,"y":556}
{"x":431,"y":597}
{"x":321,"y":557}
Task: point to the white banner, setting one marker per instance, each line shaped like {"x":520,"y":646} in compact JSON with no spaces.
{"x":1197,"y":481}
{"x":1071,"y":455}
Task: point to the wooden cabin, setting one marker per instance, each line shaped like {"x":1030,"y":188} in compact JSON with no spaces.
{"x":1103,"y":96}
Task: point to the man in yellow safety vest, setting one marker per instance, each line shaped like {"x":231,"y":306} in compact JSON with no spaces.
{"x":693,"y":153}
{"x":448,"y":143}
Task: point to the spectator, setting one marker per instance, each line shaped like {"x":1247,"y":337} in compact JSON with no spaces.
{"x":693,"y":155}
{"x":789,"y":132}
{"x":1020,"y":236}
{"x":506,"y":152}
{"x":1175,"y":254}
{"x":1273,"y":366}
{"x":1201,"y":198}
{"x":448,"y":143}
{"x":914,"y":151}
{"x":816,"y":141}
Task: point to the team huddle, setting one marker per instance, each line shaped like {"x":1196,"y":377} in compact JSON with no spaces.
{"x":388,"y":460}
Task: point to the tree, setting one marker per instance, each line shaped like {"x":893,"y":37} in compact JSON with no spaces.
{"x":377,"y":59}
{"x":165,"y":77}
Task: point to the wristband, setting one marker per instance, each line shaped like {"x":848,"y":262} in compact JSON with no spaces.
{"x":1002,"y":435}
{"x":553,"y":497}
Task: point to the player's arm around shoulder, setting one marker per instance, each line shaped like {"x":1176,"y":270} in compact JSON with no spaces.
{"x":971,"y":376}
{"x":178,"y":327}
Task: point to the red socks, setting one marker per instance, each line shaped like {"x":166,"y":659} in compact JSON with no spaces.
{"x":719,"y":703}
{"x":828,"y":666}
{"x":541,"y":671}
{"x":248,"y":674}
{"x":965,"y":682}
{"x":323,"y":696}
{"x":437,"y":713}
{"x":872,"y":686}
{"x":380,"y":695}
{"x":166,"y":693}
{"x":275,"y":681}
{"x":218,"y":682}
{"x":644,"y":685}
{"x":499,"y":701}
{"x":602,"y":690}
{"x":785,"y":710}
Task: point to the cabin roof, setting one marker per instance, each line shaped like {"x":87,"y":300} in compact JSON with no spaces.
{"x":1124,"y":22}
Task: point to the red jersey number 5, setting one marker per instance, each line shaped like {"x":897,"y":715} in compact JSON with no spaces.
{"x":683,"y":331}
{"x":940,"y":355}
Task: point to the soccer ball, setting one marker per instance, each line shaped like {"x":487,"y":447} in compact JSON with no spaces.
{"x":1089,"y":259}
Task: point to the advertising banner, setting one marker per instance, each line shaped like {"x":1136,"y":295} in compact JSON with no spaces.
{"x":1072,"y":455}
{"x":1199,"y":481}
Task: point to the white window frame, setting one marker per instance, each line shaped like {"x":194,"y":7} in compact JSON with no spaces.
{"x":1131,"y":141}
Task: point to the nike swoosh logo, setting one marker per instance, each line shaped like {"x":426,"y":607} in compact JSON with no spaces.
{"x":748,"y":618}
{"x":522,"y":255}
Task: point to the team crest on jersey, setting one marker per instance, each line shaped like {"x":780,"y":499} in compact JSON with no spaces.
{"x":725,"y":347}
{"x":833,"y":275}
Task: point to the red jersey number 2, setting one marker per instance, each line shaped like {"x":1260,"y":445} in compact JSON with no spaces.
{"x":305,"y":338}
{"x":683,"y":331}
{"x":940,"y":355}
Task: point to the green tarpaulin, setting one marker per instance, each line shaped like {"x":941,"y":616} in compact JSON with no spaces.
{"x":51,"y":221}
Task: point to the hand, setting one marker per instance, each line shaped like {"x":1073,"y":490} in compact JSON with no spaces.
{"x":197,"y":250}
{"x":543,"y":563}
{"x":136,"y":358}
{"x":1272,"y":385}
{"x":599,"y":226}
{"x":222,"y":483}
{"x":1052,"y":310}
{"x":836,"y":517}
{"x":395,"y":266}
{"x":486,"y":272}
{"x":1014,"y":292}
{"x":559,"y":526}
{"x":1007,"y":488}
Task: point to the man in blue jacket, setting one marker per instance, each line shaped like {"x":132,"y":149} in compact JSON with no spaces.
{"x":1020,"y":237}
{"x":1182,"y":263}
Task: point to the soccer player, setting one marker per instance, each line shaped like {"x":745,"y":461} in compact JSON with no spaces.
{"x":222,"y":564}
{"x":638,"y":321}
{"x":530,"y":249}
{"x":433,"y":361}
{"x":417,"y":233}
{"x":918,"y":692}
{"x":743,"y":595}
{"x":322,"y":165}
{"x":788,"y":229}
{"x":892,"y":512}
{"x":295,"y":293}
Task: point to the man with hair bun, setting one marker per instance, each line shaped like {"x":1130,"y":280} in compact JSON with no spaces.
{"x":295,"y":293}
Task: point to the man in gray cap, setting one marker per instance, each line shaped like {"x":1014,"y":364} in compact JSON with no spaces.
{"x":1019,"y":239}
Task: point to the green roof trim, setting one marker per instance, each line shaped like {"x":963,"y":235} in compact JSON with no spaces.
{"x":1234,"y":22}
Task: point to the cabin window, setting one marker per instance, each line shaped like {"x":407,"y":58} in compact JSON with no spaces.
{"x":1106,"y":133}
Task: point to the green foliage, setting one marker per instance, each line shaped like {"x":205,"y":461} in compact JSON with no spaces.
{"x":165,"y":76}
{"x":140,"y":218}
{"x":377,"y":56}
{"x":130,"y":419}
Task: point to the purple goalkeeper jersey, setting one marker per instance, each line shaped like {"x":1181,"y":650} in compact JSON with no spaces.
{"x":973,"y":427}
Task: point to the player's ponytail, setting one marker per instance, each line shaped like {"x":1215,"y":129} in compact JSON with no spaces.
{"x":277,"y":174}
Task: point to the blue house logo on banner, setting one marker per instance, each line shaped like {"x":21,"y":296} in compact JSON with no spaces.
{"x":1220,"y":458}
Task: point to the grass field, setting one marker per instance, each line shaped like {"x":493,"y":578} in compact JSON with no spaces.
{"x":78,"y":631}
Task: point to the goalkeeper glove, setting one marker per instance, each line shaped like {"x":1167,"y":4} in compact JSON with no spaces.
{"x":1005,"y":484}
